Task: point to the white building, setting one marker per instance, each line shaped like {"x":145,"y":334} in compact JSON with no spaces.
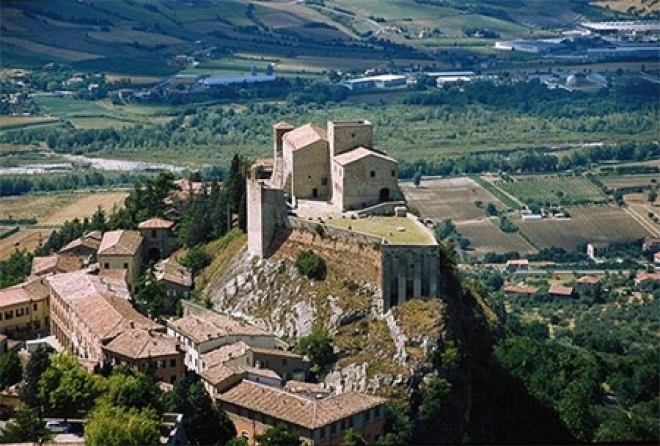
{"x":383,"y":81}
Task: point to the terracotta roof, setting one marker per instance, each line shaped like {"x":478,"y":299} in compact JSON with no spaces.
{"x":645,"y":276}
{"x":120,"y":242}
{"x":222,"y":354}
{"x":520,"y":289}
{"x":219,"y":373}
{"x":80,"y":284}
{"x":275,"y":352}
{"x":170,"y":270}
{"x":283,"y":125}
{"x":588,"y":280}
{"x":305,"y":388}
{"x":54,"y":264}
{"x":156,"y":223}
{"x":560,"y":290}
{"x":140,"y":344}
{"x":303,"y":136}
{"x":101,"y":302}
{"x":267,"y":373}
{"x":354,"y":155}
{"x":24,"y":293}
{"x":310,"y":413}
{"x":211,"y":325}
{"x":92,"y":241}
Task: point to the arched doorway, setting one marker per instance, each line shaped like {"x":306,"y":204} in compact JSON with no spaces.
{"x":384,"y":195}
{"x":153,"y":255}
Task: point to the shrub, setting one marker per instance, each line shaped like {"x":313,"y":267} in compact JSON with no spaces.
{"x":311,"y":265}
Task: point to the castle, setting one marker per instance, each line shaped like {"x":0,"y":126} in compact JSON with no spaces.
{"x":339,"y":169}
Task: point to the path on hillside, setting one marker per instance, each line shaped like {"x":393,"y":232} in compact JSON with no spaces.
{"x":379,"y":28}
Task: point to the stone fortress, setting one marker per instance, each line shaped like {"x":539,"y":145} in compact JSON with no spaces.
{"x":335,"y":175}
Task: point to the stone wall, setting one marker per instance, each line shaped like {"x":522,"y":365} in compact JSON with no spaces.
{"x":266,"y":210}
{"x":409,"y":271}
{"x":364,"y":182}
{"x":346,"y":135}
{"x":333,"y":234}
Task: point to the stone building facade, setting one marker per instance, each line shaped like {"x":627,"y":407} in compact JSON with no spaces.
{"x":337,"y":165}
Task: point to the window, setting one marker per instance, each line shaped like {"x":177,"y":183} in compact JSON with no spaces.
{"x":35,"y":307}
{"x":9,"y":314}
{"x":172,"y":362}
{"x":373,"y":174}
{"x":393,"y":172}
{"x":324,"y":181}
{"x":284,"y":361}
{"x":245,"y":435}
{"x":19,"y":312}
{"x":106,"y":266}
{"x":153,"y":233}
{"x":309,"y":177}
{"x":125,"y":265}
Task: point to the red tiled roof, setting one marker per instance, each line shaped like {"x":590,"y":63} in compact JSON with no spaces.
{"x":303,"y":136}
{"x":141,"y":344}
{"x":222,"y":354}
{"x":156,"y":223}
{"x":120,"y":242}
{"x":24,"y":293}
{"x":560,"y":290}
{"x":588,"y":280}
{"x":360,"y":153}
{"x":310,"y":413}
{"x":54,"y":264}
{"x":170,"y":270}
{"x":211,"y":325}
{"x":520,"y":289}
{"x":645,"y":276}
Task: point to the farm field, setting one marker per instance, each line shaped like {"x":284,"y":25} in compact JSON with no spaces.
{"x":452,"y":198}
{"x":33,"y":206}
{"x":85,"y":206}
{"x":26,"y":238}
{"x":587,"y":224}
{"x":620,"y":181}
{"x":15,"y":122}
{"x":50,"y":211}
{"x":485,"y":237}
{"x":553,"y":190}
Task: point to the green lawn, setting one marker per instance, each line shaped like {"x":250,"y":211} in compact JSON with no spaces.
{"x":554,"y":189}
{"x":387,"y":228}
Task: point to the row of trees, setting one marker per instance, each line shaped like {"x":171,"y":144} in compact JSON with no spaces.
{"x":122,"y":407}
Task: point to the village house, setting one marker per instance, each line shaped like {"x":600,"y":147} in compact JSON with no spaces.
{"x":596,"y":250}
{"x":83,"y":247}
{"x":646,"y":276}
{"x":87,"y":311}
{"x":143,"y":350}
{"x":177,"y":279}
{"x":158,"y":237}
{"x":517,"y":265}
{"x":54,"y":264}
{"x":24,"y":309}
{"x":521,"y":289}
{"x":225,"y":365}
{"x":588,"y":280}
{"x":319,"y":419}
{"x":121,"y":250}
{"x":206,"y":330}
{"x":560,"y":290}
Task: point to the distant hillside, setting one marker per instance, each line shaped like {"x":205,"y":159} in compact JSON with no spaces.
{"x":641,"y":8}
{"x":143,"y":37}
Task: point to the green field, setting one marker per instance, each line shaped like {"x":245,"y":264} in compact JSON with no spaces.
{"x":554,"y":190}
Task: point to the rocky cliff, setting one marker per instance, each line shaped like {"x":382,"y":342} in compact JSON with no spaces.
{"x":378,"y":352}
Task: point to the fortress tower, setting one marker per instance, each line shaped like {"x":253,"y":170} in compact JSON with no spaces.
{"x":347,"y":135}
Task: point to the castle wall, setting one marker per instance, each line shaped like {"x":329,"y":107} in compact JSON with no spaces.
{"x":409,"y":271}
{"x":266,"y":208}
{"x":346,"y":135}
